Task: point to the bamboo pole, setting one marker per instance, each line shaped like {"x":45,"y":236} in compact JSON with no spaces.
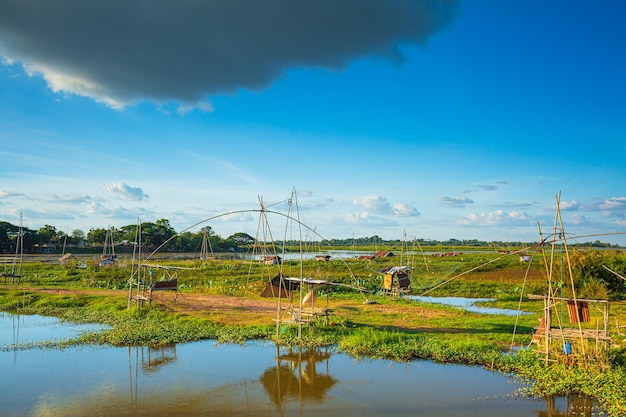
{"x":571,"y":274}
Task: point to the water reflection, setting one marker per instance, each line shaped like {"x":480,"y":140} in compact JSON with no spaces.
{"x":149,"y":360}
{"x":255,"y":380}
{"x":574,"y":407}
{"x":296,"y":376}
{"x":152,"y":358}
{"x":19,"y":330}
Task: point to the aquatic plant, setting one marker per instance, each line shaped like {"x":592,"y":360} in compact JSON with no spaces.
{"x":392,"y":328}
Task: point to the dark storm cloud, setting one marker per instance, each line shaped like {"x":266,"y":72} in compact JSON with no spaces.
{"x":121,"y":51}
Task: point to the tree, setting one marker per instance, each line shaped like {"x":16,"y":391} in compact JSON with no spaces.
{"x":155,"y":234}
{"x":188,"y":242}
{"x":96,"y":237}
{"x":49,"y":234}
{"x":590,"y":269}
{"x":208,"y":230}
{"x":128,"y":232}
{"x":241,"y":239}
{"x":78,"y":235}
{"x":8,"y":232}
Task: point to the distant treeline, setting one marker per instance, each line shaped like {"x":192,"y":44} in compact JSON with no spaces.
{"x":49,"y":239}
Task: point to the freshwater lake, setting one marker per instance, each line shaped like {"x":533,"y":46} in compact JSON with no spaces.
{"x":258,"y":379}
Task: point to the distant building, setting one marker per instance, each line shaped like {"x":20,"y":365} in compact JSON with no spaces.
{"x":108,"y":260}
{"x":271,"y":259}
{"x":45,"y":248}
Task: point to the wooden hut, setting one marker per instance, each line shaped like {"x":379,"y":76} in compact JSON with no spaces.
{"x":279,"y":287}
{"x":396,"y":280}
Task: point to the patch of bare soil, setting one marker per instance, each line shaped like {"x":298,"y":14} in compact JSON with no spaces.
{"x":507,"y":275}
{"x":206,"y":301}
{"x":245,"y":310}
{"x":220,"y":308}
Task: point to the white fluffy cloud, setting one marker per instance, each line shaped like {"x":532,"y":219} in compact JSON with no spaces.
{"x":125,"y":191}
{"x":373,"y":204}
{"x":570,"y":205}
{"x":615,"y":206}
{"x":494,"y":218}
{"x":609,"y":207}
{"x":376,"y":205}
{"x":405,"y":210}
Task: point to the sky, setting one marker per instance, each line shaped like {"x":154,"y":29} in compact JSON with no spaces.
{"x":397,"y":118}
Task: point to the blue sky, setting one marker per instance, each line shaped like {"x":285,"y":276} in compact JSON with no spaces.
{"x":434,"y":119}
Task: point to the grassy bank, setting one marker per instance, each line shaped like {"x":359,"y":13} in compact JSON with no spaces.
{"x":388,"y":328}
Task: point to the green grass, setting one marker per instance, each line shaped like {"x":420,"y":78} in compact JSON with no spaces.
{"x":392,"y":328}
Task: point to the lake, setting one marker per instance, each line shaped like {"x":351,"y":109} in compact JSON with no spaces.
{"x":258,"y":379}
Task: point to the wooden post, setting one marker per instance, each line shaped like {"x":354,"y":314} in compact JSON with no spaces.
{"x":548,"y":321}
{"x":606,"y":320}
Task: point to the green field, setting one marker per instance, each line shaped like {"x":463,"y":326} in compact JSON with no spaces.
{"x":362,"y":322}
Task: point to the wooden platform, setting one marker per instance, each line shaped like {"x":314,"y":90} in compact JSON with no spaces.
{"x":305,"y":316}
{"x":572,"y":334}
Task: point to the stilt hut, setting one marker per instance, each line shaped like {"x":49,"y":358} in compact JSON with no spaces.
{"x":587,"y":338}
{"x":552,"y":329}
{"x":396,"y":280}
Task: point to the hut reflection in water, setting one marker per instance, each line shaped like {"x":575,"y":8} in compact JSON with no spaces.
{"x":296,"y":376}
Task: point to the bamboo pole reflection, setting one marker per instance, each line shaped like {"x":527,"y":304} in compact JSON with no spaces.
{"x":575,"y":406}
{"x":149,"y":359}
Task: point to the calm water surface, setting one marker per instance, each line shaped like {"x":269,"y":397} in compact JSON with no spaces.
{"x":259,"y":379}
{"x":21,"y":329}
{"x":467,"y":304}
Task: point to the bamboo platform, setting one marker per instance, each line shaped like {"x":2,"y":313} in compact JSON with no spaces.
{"x":306,"y":316}
{"x":572,"y":334}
